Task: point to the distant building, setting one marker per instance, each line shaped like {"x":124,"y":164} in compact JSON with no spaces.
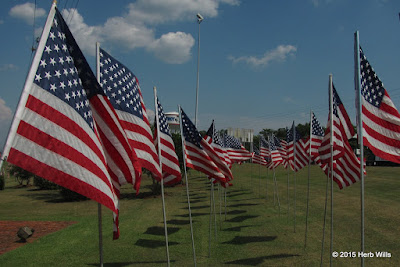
{"x":173,"y":121}
{"x":244,"y":135}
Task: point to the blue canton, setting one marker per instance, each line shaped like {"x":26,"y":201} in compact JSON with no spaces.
{"x":372,"y":88}
{"x":62,"y":69}
{"x":190,"y":133}
{"x":120,"y":85}
{"x":316,"y":127}
{"x":162,"y":119}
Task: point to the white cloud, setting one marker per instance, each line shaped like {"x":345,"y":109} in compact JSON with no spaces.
{"x":160,"y":11}
{"x":281,"y":53}
{"x":86,"y":36}
{"x":119,"y":30}
{"x":27,"y":12}
{"x":136,"y":29}
{"x":6,"y":67}
{"x":173,"y":47}
{"x":5,"y":112}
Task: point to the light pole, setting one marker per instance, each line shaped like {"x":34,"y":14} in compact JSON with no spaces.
{"x":199,"y":20}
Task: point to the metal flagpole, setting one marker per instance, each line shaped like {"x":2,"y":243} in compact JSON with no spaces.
{"x":187,"y":185}
{"x":162,"y":181}
{"x":288,"y":203}
{"x":325,"y":212}
{"x":210,"y":225}
{"x":359,"y":131}
{"x":99,"y":213}
{"x":199,"y":20}
{"x":277,"y":193}
{"x":220,"y":205}
{"x":308,"y":182}
{"x":215,"y":213}
{"x":294,"y":175}
{"x":331,"y":141}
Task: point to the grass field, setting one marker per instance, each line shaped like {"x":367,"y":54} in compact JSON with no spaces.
{"x":254,"y":232}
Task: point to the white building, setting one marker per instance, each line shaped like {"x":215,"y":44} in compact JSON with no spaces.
{"x":173,"y":121}
{"x":244,"y":135}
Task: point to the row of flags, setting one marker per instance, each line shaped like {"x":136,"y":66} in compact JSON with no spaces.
{"x":92,"y":135}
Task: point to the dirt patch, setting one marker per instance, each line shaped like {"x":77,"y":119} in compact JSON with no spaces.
{"x":8,"y":232}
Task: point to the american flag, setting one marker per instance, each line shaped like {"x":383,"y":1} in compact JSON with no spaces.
{"x":299,"y":159}
{"x":342,"y":128}
{"x":54,"y":134}
{"x":170,"y":164}
{"x":346,"y":167}
{"x":315,"y":140}
{"x":236,"y":150}
{"x":264,"y":148}
{"x":122,"y":88}
{"x":380,"y":118}
{"x":199,"y":153}
{"x":214,"y":139}
{"x":257,"y":158}
{"x":275,"y":148}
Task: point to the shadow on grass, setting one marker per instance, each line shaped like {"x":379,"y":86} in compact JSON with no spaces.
{"x":121,"y":264}
{"x":241,"y":240}
{"x":148,"y":243}
{"x":193,"y":202}
{"x":237,"y":228}
{"x":197,"y":208}
{"x":51,"y":197}
{"x":194,"y":214}
{"x":242,"y":218}
{"x":235,"y":212}
{"x":179,"y":222}
{"x":238,"y":194}
{"x":156,"y":230}
{"x":243,"y":205}
{"x":259,"y":260}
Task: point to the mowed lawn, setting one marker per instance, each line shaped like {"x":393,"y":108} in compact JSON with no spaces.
{"x":253,"y":232}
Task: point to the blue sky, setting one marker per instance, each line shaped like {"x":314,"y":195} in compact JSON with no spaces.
{"x":263,"y":64}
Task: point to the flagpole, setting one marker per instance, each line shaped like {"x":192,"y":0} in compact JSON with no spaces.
{"x":210,"y":224}
{"x":162,"y":181}
{"x":360,"y":131}
{"x":308,"y":181}
{"x":294,"y":174}
{"x":99,"y":213}
{"x":331,"y":145}
{"x":325,"y":213}
{"x":187,"y":185}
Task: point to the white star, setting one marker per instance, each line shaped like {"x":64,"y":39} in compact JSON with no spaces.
{"x":52,"y":61}
{"x":43,"y":63}
{"x":38,"y":78}
{"x":58,"y":74}
{"x":53,"y":87}
{"x":67,"y":96}
{"x":62,"y":85}
{"x":47,"y":75}
{"x":47,"y":49}
{"x":56,"y":48}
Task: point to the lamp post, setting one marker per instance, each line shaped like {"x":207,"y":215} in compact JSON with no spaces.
{"x":199,"y":20}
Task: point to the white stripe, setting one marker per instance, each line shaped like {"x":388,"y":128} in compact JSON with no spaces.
{"x":62,"y":164}
{"x":64,"y":136}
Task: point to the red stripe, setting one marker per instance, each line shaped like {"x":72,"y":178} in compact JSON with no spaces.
{"x":50,"y":143}
{"x":49,"y":173}
{"x":116,"y":157}
{"x":64,"y":122}
{"x":136,"y":128}
{"x":381,"y":122}
{"x":103,"y":112}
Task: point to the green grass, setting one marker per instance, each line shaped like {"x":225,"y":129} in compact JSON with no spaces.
{"x":253,"y":234}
